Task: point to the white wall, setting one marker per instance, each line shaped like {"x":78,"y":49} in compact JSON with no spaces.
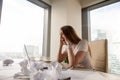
{"x":74,"y":15}
{"x":63,"y":12}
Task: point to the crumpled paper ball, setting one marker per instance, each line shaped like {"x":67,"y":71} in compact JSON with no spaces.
{"x":52,"y":73}
{"x":24,"y":67}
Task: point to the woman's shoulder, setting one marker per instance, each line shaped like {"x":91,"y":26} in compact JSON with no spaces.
{"x":82,"y":43}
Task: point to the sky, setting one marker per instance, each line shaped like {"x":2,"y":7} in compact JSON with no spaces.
{"x":21,"y":23}
{"x":107,"y":18}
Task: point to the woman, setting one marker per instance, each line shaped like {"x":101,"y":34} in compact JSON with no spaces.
{"x":76,"y":49}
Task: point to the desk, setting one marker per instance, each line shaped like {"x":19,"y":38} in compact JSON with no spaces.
{"x":92,"y":75}
{"x":6,"y":73}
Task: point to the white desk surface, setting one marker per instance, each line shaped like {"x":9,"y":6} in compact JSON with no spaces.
{"x":7,"y":73}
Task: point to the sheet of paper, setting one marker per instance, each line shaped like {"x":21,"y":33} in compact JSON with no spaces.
{"x":83,"y":75}
{"x":95,"y":76}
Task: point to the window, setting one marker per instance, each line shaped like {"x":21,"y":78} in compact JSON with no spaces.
{"x":103,"y":22}
{"x":24,"y":22}
{"x":108,"y":28}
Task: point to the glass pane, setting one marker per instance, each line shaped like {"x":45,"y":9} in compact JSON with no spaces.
{"x":105,"y":25}
{"x":22,"y":23}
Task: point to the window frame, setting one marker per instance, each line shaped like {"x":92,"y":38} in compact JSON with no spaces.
{"x":47,"y":25}
{"x":1,"y":1}
{"x":86,"y":28}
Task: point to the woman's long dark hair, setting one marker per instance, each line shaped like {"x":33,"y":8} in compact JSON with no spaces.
{"x":70,"y":34}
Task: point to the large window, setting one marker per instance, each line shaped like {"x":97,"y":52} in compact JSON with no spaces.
{"x":108,"y":27}
{"x":24,"y":23}
{"x":104,"y":24}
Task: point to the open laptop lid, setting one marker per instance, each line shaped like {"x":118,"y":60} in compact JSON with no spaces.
{"x":26,"y":53}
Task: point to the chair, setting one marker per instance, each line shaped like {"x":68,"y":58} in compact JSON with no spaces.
{"x":99,"y":55}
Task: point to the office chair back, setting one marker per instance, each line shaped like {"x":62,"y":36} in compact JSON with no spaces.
{"x":99,"y":55}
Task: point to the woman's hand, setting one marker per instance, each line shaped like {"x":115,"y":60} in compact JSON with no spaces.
{"x":62,"y":40}
{"x":67,"y":42}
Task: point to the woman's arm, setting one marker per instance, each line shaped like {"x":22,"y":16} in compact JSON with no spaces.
{"x":61,"y":56}
{"x":79,"y":57}
{"x":71,"y":57}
